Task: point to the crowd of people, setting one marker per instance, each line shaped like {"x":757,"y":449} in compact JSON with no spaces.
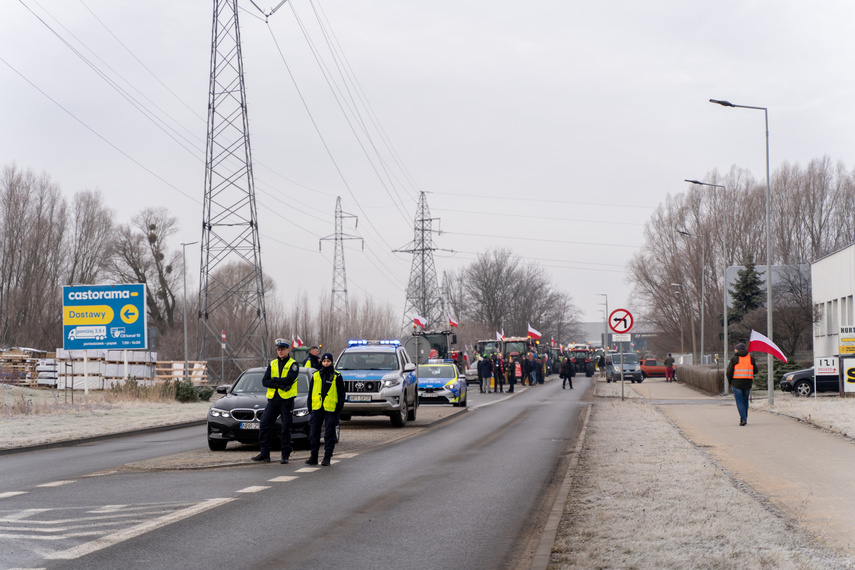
{"x":495,"y":371}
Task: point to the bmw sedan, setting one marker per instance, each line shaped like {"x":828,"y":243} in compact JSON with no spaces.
{"x":237,"y":415}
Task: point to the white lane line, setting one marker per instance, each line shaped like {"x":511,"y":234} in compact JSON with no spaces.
{"x":307,"y":470}
{"x":134,"y":531}
{"x":22,"y":515}
{"x":12,"y":494}
{"x":346,"y":455}
{"x":283,"y":479}
{"x":108,"y":509}
{"x":253,"y":489}
{"x":55,"y":484}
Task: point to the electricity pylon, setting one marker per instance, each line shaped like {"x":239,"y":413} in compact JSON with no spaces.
{"x":423,"y":293}
{"x":231,"y":288}
{"x":338,"y":301}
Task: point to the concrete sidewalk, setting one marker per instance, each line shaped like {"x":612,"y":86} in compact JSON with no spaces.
{"x":805,"y":472}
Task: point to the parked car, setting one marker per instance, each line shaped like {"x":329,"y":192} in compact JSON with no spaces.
{"x":800,"y":382}
{"x":439,"y":383}
{"x":631,"y":367}
{"x":237,"y":415}
{"x":652,"y":368}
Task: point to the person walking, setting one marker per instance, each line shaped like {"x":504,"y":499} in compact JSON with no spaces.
{"x":740,"y":373}
{"x":568,"y":371}
{"x":326,"y":390}
{"x":498,"y":373}
{"x":669,"y":368}
{"x":313,"y":361}
{"x":601,"y":364}
{"x":280,"y":379}
{"x":485,"y":372}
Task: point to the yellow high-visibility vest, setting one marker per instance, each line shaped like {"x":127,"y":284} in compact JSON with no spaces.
{"x":331,"y":401}
{"x":276,"y":373}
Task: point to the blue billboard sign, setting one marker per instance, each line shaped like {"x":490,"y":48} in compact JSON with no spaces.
{"x":104,"y":317}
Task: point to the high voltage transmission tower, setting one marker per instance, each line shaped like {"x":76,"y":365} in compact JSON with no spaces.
{"x":338,"y":302}
{"x":424,"y":297}
{"x":231,"y":288}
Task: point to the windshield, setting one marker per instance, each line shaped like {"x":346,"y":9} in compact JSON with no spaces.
{"x":438,"y":343}
{"x":442,"y":371}
{"x":627,"y":358}
{"x":488,"y":348}
{"x":250,"y":383}
{"x":515,"y":347}
{"x":358,"y":360}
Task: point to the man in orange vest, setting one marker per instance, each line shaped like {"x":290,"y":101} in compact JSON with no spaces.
{"x":740,"y":373}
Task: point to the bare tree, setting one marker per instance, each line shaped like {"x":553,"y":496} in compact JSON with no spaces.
{"x":91,"y":227}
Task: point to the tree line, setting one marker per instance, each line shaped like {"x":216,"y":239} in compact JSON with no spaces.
{"x":811,"y":216}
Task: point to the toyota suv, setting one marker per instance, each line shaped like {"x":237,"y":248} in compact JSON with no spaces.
{"x":379,"y":380}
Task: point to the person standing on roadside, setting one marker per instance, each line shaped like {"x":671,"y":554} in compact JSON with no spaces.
{"x":539,"y":370}
{"x":326,"y":393}
{"x":498,"y":373}
{"x":525,"y":363}
{"x":567,"y":372}
{"x":313,"y":361}
{"x":601,"y":364}
{"x":669,"y":368}
{"x":280,"y":379}
{"x":512,"y":368}
{"x":740,"y":373}
{"x":485,"y":372}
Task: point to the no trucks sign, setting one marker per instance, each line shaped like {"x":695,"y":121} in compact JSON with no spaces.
{"x":104,"y":317}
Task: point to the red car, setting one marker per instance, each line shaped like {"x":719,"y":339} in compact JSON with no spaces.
{"x":652,"y":368}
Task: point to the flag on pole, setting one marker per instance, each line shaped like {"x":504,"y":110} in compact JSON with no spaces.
{"x":503,"y":334}
{"x":759,"y":343}
{"x":451,"y":321}
{"x":498,"y":336}
{"x":533,"y":333}
{"x":553,"y":342}
{"x":421,"y":321}
{"x":298,"y":341}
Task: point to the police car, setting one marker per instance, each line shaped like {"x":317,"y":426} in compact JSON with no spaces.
{"x":379,"y":379}
{"x":439,"y":383}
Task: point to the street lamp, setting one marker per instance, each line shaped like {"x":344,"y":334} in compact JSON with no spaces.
{"x":605,"y":324}
{"x":770,"y":378}
{"x":724,"y":268}
{"x":703,"y":288}
{"x":682,"y":300}
{"x":184,"y":254}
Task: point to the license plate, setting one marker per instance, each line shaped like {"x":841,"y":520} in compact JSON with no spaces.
{"x":429,"y":395}
{"x":359,"y":398}
{"x":249,"y":425}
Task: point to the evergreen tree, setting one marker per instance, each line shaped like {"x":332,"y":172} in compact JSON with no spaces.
{"x":746,"y":294}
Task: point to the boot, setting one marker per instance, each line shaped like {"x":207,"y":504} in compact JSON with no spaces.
{"x":326,"y":461}
{"x":261,"y":457}
{"x":284,"y":459}
{"x":312,"y":460}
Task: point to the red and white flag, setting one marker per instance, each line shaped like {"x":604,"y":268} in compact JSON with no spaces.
{"x":421,"y":321}
{"x":533,"y":333}
{"x":553,"y":342}
{"x":498,"y":336}
{"x":759,"y":343}
{"x":298,"y":341}
{"x":451,"y":321}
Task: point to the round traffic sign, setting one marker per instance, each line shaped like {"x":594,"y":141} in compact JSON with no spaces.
{"x":620,"y":321}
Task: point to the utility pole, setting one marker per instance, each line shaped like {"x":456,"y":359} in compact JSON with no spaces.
{"x":338,"y":300}
{"x":423,"y":293}
{"x":231,"y":288}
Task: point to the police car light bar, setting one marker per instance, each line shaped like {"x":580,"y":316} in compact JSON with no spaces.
{"x":439,"y":361}
{"x":367,"y":342}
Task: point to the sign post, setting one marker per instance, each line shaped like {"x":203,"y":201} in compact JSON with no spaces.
{"x":620,"y":321}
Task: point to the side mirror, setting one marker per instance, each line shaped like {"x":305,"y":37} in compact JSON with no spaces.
{"x":222,"y":389}
{"x":409,"y":367}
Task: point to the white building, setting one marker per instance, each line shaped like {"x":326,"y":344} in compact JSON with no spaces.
{"x":833,"y":287}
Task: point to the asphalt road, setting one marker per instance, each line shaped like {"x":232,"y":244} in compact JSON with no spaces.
{"x":471,"y":492}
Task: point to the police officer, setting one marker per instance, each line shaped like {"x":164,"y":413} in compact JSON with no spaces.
{"x":313,"y":361}
{"x":326,"y":390}
{"x":280,"y":379}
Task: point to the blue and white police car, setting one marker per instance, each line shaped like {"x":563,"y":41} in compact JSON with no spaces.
{"x":439,"y":383}
{"x":379,"y":379}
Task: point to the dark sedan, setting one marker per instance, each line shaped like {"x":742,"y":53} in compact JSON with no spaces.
{"x":800,"y":382}
{"x":236,"y":416}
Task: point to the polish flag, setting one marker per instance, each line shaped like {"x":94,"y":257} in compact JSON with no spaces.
{"x":533,"y":333}
{"x":759,"y":343}
{"x":451,"y":321}
{"x":553,"y":342}
{"x":298,"y":341}
{"x":421,"y":321}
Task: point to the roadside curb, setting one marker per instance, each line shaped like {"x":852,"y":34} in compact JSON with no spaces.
{"x":84,"y":440}
{"x":550,"y":530}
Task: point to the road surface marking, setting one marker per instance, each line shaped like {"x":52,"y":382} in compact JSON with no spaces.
{"x":134,"y":531}
{"x":307,"y":470}
{"x":55,"y":484}
{"x":253,"y":489}
{"x":283,"y":479}
{"x":12,"y":494}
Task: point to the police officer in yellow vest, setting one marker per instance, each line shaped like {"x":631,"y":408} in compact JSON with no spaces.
{"x":280,"y":379}
{"x":740,"y":372}
{"x":326,"y":393}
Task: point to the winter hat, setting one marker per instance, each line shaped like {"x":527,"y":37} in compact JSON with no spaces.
{"x":326,"y":355}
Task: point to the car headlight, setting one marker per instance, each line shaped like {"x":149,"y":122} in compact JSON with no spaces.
{"x":617,"y":368}
{"x":451,"y":386}
{"x":217,"y":413}
{"x":391,"y":382}
{"x":301,"y":412}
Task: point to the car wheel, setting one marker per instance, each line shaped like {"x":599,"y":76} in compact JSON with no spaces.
{"x":465,"y":401}
{"x":644,"y":375}
{"x":414,"y":410}
{"x":217,"y":444}
{"x":399,"y":418}
{"x":640,"y":380}
{"x":802,"y":388}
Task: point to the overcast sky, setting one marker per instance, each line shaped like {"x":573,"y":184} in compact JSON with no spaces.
{"x":552,"y":128}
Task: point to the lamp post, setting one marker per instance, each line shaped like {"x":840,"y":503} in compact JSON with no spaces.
{"x":605,"y":323}
{"x":725,"y":352}
{"x":703,"y":288}
{"x":770,"y":378}
{"x":184,"y":262}
{"x":682,"y":300}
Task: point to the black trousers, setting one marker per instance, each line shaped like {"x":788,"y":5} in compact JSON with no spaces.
{"x":276,"y":407}
{"x":568,"y":379}
{"x":319,"y":418}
